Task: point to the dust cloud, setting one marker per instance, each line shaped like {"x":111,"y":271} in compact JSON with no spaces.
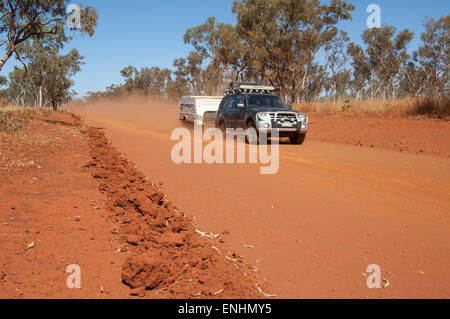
{"x":155,"y":114}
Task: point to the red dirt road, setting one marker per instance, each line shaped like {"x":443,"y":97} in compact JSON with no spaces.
{"x":315,"y":226}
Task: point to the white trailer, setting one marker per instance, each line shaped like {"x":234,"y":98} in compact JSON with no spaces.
{"x":199,"y":109}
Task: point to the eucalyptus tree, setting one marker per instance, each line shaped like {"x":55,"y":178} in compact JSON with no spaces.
{"x":23,"y":20}
{"x":286,"y":36}
{"x":433,"y":58}
{"x":46,"y":79}
{"x":386,"y":53}
{"x":336,"y":61}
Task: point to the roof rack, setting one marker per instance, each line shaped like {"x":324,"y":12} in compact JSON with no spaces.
{"x":249,"y":87}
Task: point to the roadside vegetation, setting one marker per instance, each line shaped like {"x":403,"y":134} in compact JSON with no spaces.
{"x":279,"y":42}
{"x":34,"y":32}
{"x":439,"y":108}
{"x":15,"y":140}
{"x":426,"y":106}
{"x":24,"y":130}
{"x":295,"y":45}
{"x":13,"y":119}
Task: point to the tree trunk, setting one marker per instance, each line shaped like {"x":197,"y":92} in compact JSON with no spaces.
{"x":293,"y":91}
{"x":393,"y":89}
{"x":7,"y":56}
{"x":334,"y":92}
{"x":40,"y":96}
{"x":302,"y":94}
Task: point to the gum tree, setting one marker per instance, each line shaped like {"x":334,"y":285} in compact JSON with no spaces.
{"x":386,"y":53}
{"x":433,"y":57}
{"x":337,"y":58}
{"x":47,"y":78}
{"x":286,"y":35}
{"x":22,"y":20}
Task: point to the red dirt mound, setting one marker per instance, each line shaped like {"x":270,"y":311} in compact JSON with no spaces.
{"x":166,"y":254}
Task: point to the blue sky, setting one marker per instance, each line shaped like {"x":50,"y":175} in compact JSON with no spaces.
{"x":150,"y":32}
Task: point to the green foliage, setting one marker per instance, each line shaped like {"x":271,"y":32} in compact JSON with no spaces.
{"x":39,"y":20}
{"x":432,"y":59}
{"x":35,"y":31}
{"x":274,"y":41}
{"x":284,"y":38}
{"x":46,"y":80}
{"x":338,"y":77}
{"x":3,"y":81}
{"x":385,"y":69}
{"x":148,"y":81}
{"x":279,"y":42}
{"x":151,"y":82}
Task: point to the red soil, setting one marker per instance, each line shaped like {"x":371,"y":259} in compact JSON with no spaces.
{"x":127,"y":238}
{"x":414,"y":134}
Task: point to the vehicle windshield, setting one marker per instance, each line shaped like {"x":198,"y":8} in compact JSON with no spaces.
{"x":265,"y":100}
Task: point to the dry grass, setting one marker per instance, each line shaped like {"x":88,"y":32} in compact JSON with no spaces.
{"x":22,"y":140}
{"x":3,"y":102}
{"x":436,"y":108}
{"x":22,"y":133}
{"x":13,"y":119}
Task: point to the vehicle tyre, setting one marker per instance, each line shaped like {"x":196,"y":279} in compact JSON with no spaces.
{"x":251,"y":134}
{"x":297,"y":138}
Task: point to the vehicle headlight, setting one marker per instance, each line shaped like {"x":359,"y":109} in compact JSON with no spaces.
{"x":263,"y":117}
{"x":301,"y":117}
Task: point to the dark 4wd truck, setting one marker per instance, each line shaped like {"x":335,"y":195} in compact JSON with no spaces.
{"x":256,"y":109}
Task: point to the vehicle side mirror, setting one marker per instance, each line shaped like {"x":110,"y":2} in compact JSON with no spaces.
{"x":240,"y":105}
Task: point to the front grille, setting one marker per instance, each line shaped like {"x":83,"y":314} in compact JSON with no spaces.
{"x":286,"y":117}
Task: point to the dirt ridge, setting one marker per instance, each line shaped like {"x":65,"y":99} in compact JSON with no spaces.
{"x":167,"y":256}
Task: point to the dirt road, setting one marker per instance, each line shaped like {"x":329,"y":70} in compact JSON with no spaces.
{"x":315,"y":226}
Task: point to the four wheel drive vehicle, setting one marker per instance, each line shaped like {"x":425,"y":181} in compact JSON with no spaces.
{"x":256,"y":109}
{"x":199,"y":109}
